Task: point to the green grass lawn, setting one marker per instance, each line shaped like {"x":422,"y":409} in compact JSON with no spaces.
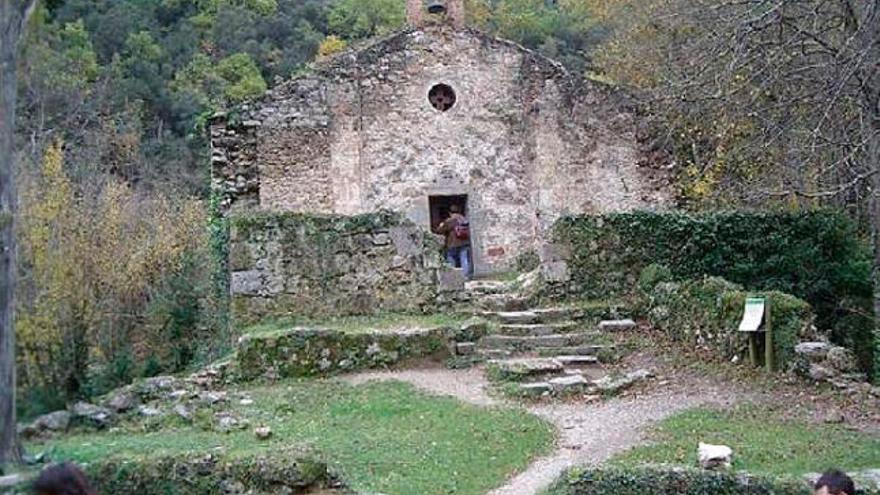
{"x":761,"y":443}
{"x":360,"y":324}
{"x":380,"y":437}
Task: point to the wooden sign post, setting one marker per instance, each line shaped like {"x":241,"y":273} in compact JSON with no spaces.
{"x":755,"y":322}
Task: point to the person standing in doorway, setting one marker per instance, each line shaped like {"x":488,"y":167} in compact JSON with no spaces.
{"x":456,"y":230}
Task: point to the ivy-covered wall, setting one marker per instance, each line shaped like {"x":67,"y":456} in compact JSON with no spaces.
{"x":285,"y":264}
{"x":816,"y":256}
{"x":705,"y":314}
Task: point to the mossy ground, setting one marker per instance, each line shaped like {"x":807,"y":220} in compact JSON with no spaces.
{"x":379,"y":437}
{"x":762,"y":444}
{"x":360,"y":324}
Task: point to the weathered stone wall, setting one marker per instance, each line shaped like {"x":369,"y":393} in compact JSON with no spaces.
{"x":524,"y":141}
{"x":302,"y":352}
{"x":294,"y":264}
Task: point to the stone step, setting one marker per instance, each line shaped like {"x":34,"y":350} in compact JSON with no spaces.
{"x":568,"y":383}
{"x":581,"y":350}
{"x":576,"y":361}
{"x":465,"y":348}
{"x":494,"y":303}
{"x":545,"y":315}
{"x":494,"y":353}
{"x":535,"y":389}
{"x":487,"y":286}
{"x":556,"y":386}
{"x":530,"y":343}
{"x":537,"y":329}
{"x":527,"y":366}
{"x":522,"y":368}
{"x":617,"y":325}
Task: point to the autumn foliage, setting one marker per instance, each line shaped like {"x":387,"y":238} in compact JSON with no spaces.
{"x":95,"y":259}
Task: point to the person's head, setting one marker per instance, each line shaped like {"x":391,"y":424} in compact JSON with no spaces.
{"x":835,"y":483}
{"x":63,"y":479}
{"x":454,"y":209}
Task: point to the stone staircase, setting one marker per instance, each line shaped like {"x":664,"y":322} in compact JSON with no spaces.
{"x":545,"y":350}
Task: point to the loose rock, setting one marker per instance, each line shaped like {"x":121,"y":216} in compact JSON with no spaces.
{"x":148,"y":411}
{"x":263,"y":432}
{"x":123,"y":401}
{"x":612,"y":385}
{"x":714,"y":456}
{"x":96,"y":416}
{"x":184,"y":412}
{"x":813,"y":350}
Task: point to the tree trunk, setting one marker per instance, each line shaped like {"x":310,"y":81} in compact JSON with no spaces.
{"x":874,"y":209}
{"x":13,"y":16}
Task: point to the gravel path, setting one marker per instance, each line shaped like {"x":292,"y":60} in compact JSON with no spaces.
{"x":588,"y":433}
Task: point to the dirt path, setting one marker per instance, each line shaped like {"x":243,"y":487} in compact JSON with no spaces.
{"x":588,"y":433}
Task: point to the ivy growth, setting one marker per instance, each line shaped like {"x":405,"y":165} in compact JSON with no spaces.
{"x":817,"y":256}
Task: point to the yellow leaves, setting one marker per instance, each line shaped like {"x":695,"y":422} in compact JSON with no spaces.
{"x":91,"y":255}
{"x":330,"y":46}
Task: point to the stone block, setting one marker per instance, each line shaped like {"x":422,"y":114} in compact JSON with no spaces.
{"x":404,"y":242}
{"x":554,"y":252}
{"x":248,"y":282}
{"x":714,"y":456}
{"x":381,"y":239}
{"x":450,"y":279}
{"x":555,"y":272}
{"x":614,"y":384}
{"x":814,"y":351}
{"x":535,"y":389}
{"x":465,"y":348}
{"x":568,"y":383}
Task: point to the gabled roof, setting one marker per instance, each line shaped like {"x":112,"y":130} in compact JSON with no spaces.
{"x":371,"y":50}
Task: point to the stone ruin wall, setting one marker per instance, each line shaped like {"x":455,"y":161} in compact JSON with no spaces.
{"x":523,"y":141}
{"x":286,"y":264}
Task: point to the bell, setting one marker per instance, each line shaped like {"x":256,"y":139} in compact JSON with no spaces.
{"x":436,"y":6}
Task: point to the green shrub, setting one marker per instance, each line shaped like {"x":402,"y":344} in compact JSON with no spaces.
{"x":527,"y":261}
{"x":817,"y":256}
{"x":705,"y":314}
{"x":652,"y":275}
{"x":671,"y":481}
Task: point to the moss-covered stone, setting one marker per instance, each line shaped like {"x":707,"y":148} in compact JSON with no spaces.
{"x":285,"y":264}
{"x":309,"y":352}
{"x":289,"y":471}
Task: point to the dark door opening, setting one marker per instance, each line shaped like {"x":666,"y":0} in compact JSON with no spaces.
{"x":439,"y":206}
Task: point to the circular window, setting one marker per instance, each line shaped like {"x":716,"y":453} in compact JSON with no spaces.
{"x":442,"y":97}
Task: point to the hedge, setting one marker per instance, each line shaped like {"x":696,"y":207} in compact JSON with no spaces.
{"x":674,"y":481}
{"x":817,"y":256}
{"x":705,"y":314}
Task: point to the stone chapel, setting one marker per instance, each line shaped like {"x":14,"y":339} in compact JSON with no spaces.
{"x":433,"y":115}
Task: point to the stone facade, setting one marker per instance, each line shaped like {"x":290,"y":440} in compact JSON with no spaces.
{"x":291,"y":264}
{"x":524,"y":140}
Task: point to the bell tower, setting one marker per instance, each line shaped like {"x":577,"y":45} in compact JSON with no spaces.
{"x":453,"y":10}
